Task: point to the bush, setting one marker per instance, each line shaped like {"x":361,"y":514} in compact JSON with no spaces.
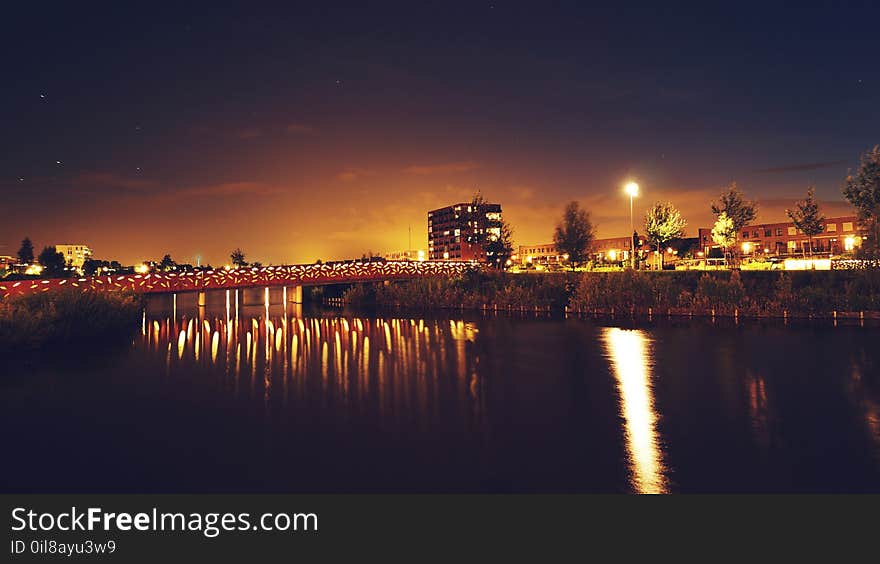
{"x":68,"y":317}
{"x":752,"y":293}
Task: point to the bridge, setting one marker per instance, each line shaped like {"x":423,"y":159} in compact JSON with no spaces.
{"x":296,"y":276}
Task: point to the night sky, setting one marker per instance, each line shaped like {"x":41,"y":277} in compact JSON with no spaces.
{"x":325,"y":131}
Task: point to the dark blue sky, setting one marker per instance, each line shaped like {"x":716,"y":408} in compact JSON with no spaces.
{"x":329,"y":130}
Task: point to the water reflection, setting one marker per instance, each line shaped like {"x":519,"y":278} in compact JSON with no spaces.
{"x":630,"y":354}
{"x":404,"y":369}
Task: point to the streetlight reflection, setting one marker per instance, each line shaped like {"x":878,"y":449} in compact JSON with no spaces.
{"x":629,"y":352}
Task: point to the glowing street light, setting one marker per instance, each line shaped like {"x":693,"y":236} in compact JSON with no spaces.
{"x":633,"y":190}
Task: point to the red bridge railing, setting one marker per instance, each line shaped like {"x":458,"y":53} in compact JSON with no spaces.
{"x":287,"y":275}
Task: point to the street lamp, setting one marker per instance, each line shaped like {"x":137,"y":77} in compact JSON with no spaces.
{"x":633,"y":190}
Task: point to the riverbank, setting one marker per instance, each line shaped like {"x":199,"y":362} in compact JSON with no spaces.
{"x":854,"y":294}
{"x":66,"y":318}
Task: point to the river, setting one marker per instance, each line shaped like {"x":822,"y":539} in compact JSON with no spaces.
{"x":219,"y":400}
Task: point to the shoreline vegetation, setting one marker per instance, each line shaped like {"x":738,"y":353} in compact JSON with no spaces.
{"x":831,"y":294}
{"x":67,"y":318}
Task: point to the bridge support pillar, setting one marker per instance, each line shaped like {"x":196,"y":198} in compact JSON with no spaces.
{"x":203,"y":299}
{"x":295,"y":294}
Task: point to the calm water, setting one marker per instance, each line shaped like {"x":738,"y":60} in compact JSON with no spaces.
{"x":341,"y":402}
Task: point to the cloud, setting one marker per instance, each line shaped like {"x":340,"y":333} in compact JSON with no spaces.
{"x":443,"y":168}
{"x":250,"y":133}
{"x":799,"y":167}
{"x":225,"y":189}
{"x":90,"y":180}
{"x":772,"y":210}
{"x":144,"y":188}
{"x":350,"y":174}
{"x":295,"y":127}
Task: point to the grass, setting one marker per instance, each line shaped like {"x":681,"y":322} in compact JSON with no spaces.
{"x":761,"y":293}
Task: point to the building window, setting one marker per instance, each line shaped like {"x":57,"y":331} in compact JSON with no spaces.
{"x":848,"y":226}
{"x":831,"y":227}
{"x":745,"y":234}
{"x":792,"y":231}
{"x":779,"y":232}
{"x":767,"y":233}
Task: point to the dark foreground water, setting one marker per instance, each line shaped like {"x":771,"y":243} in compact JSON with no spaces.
{"x":339,"y":402}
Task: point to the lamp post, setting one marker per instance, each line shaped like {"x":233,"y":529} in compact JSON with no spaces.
{"x":633,"y":190}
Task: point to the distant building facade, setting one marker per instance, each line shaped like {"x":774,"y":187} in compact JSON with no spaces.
{"x":611,"y":249}
{"x":841,"y":235}
{"x":406,"y":255}
{"x":451,"y":229}
{"x":74,"y":255}
{"x":544,"y":254}
{"x":7,"y":262}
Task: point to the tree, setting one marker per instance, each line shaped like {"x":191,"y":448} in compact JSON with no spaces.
{"x":52,"y":261}
{"x":862,"y":190}
{"x":90,"y":266}
{"x":663,"y":223}
{"x":237,"y":258}
{"x":724,"y":233}
{"x":167,"y":263}
{"x":806,"y":217}
{"x":26,"y":252}
{"x":574,"y":233}
{"x":738,"y":209}
{"x":481,"y":224}
{"x":499,"y":249}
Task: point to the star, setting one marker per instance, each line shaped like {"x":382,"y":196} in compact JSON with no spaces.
{"x":43,"y":95}
{"x":21,"y":179}
{"x":58,"y":162}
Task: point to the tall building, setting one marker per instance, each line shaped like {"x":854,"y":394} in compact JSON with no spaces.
{"x":453,"y":230}
{"x":74,"y":255}
{"x":841,"y":235}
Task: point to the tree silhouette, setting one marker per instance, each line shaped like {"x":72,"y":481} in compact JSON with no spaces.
{"x":862,"y":190}
{"x":52,"y":261}
{"x":806,"y":217}
{"x":499,"y":249}
{"x":167,"y":263}
{"x":237,"y":258}
{"x":574,"y":233}
{"x":26,"y":252}
{"x":732,"y":202}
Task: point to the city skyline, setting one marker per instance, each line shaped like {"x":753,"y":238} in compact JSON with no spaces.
{"x":157,"y":135}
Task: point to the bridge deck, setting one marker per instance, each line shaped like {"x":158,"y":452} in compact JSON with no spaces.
{"x":286,"y":275}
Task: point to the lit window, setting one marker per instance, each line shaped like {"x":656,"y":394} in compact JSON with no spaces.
{"x":848,"y":226}
{"x":831,"y":227}
{"x":792,"y":231}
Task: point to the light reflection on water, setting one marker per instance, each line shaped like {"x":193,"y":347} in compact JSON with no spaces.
{"x":395,"y":365}
{"x":490,"y":403}
{"x":629,"y":351}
